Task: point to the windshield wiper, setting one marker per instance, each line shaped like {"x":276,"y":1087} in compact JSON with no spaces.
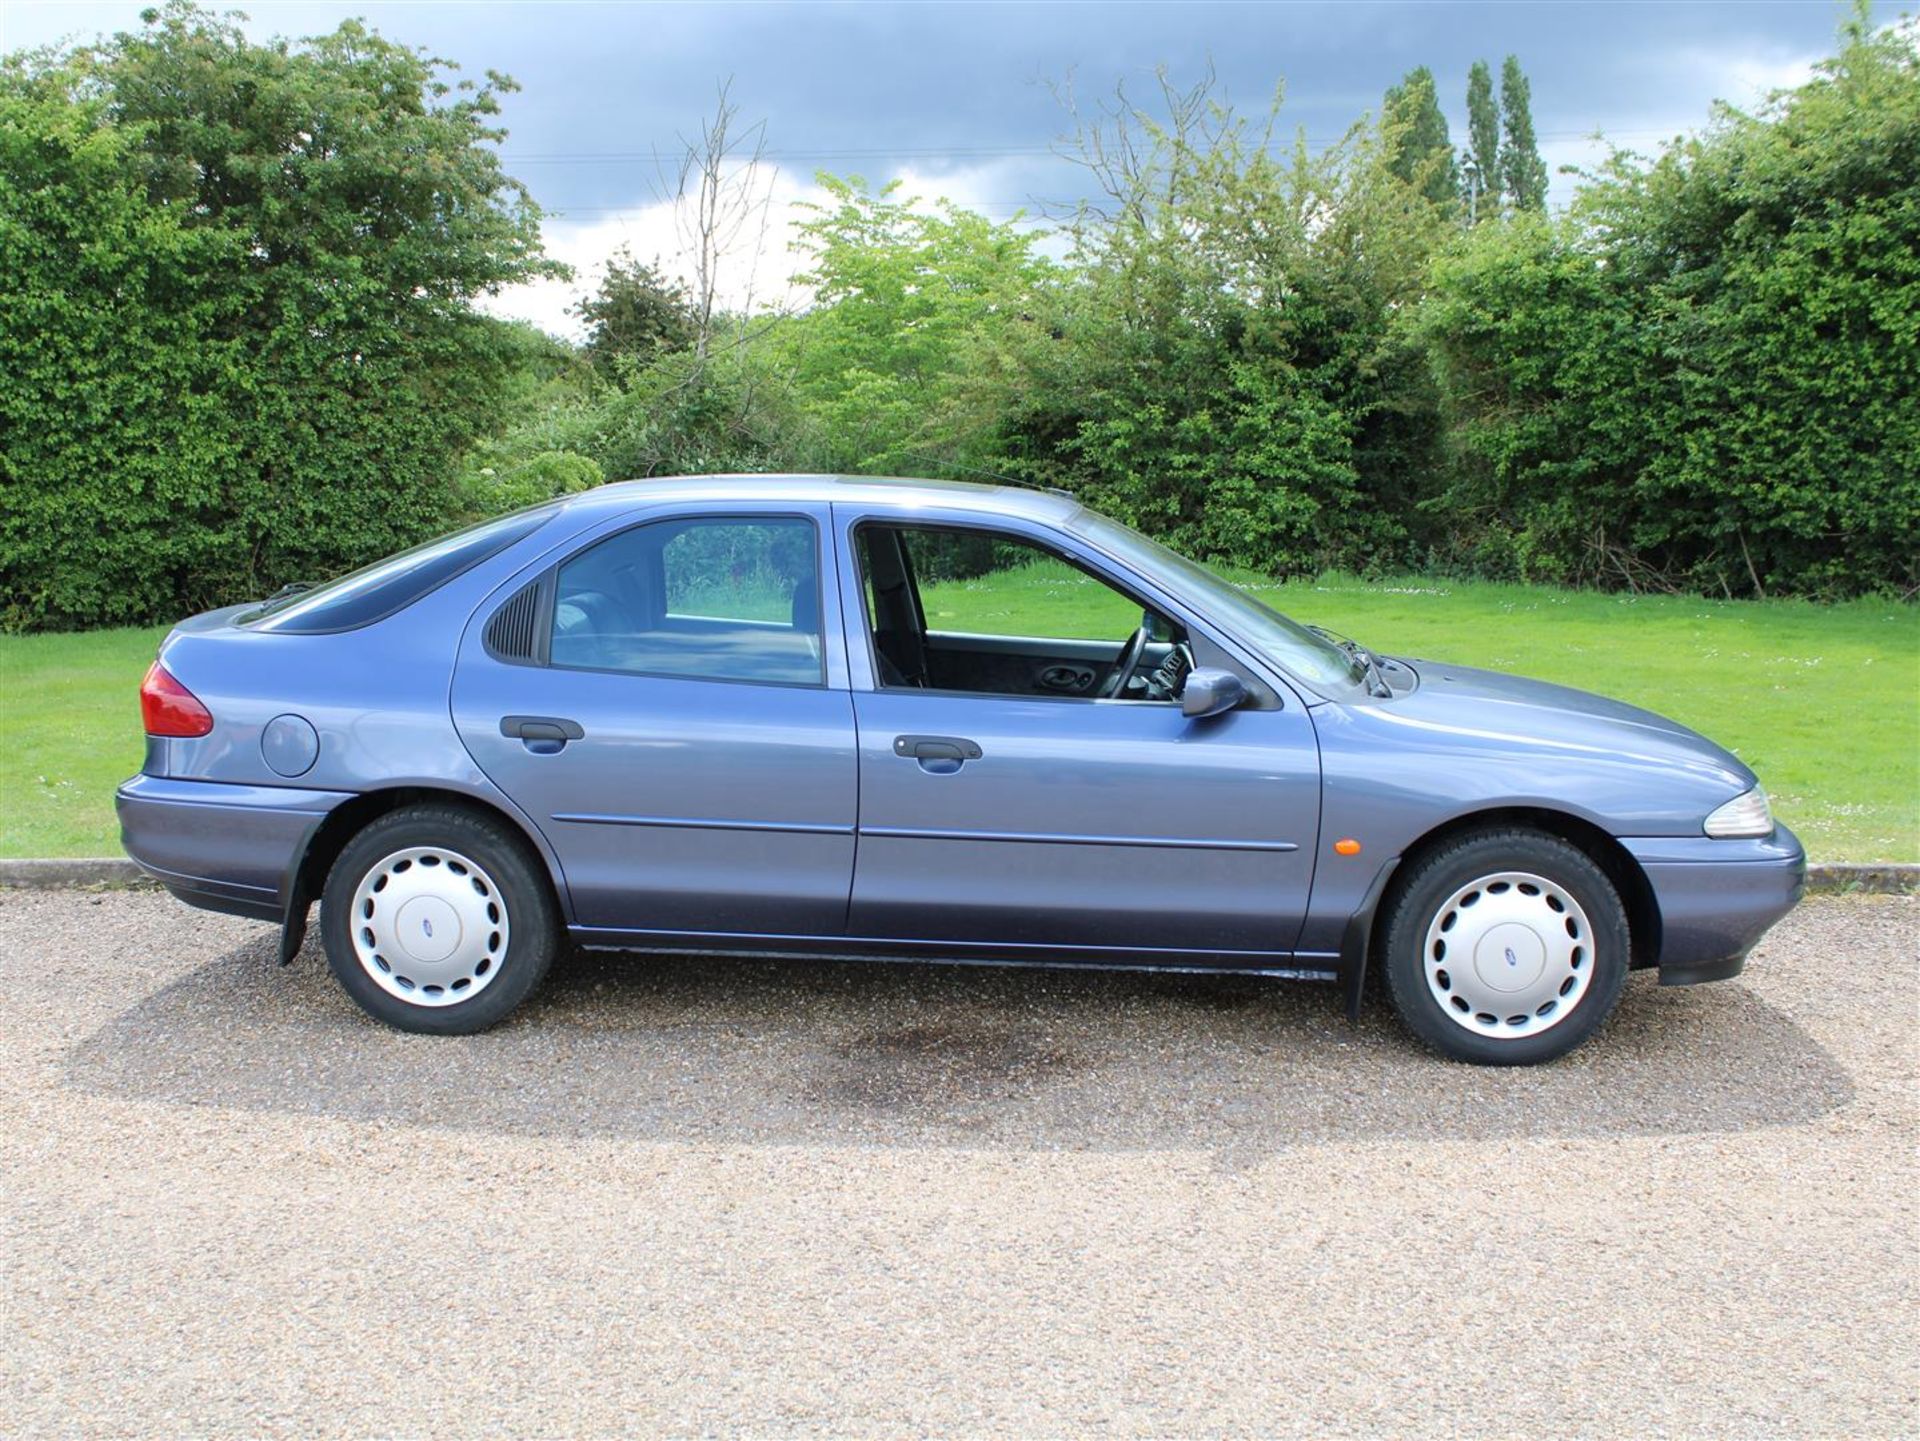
{"x":1370,"y":672}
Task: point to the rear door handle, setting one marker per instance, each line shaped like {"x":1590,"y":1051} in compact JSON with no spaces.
{"x":544,"y":735}
{"x":938,"y":755}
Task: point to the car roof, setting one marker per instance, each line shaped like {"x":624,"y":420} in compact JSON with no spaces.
{"x":889,"y":492}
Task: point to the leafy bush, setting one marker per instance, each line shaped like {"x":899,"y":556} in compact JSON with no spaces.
{"x":236,"y":322}
{"x":1703,"y":376}
{"x":540,"y":477}
{"x":1708,"y":374}
{"x":1231,"y":373}
{"x":235,"y":312}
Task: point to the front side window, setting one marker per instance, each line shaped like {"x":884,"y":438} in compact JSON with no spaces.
{"x":992,"y":613}
{"x":709,"y":599}
{"x":1308,"y":655}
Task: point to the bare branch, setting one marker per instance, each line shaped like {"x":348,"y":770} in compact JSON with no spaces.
{"x":722,"y":192}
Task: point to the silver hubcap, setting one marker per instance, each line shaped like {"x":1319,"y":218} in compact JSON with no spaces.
{"x":429,"y":926}
{"x":1509,"y":955}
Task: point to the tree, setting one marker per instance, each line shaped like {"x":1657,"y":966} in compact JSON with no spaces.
{"x":636,"y":314}
{"x":1230,"y":374}
{"x":722,"y":194}
{"x":1523,"y":175}
{"x":1480,"y":167}
{"x":1707,"y":374}
{"x":1419,"y":149}
{"x":236,"y":311}
{"x":918,"y":319}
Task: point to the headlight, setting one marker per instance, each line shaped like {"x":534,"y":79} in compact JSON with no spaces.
{"x":1744,"y":815}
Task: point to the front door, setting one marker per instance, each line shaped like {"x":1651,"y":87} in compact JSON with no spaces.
{"x":681,"y":732}
{"x":1001,"y":808}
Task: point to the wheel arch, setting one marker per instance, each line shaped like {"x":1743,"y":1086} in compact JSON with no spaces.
{"x":1636,"y":892}
{"x":309,"y":873}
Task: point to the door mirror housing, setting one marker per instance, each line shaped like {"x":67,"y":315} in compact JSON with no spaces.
{"x":1211,"y":692}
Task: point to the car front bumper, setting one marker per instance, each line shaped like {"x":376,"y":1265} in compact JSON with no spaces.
{"x":1717,"y":898}
{"x":221,"y":847}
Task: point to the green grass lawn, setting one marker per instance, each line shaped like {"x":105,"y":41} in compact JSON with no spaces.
{"x":1822,"y":701}
{"x":70,"y":708}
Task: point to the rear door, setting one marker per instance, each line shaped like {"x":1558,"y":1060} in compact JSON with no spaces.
{"x":669,"y":703}
{"x":995,"y":811}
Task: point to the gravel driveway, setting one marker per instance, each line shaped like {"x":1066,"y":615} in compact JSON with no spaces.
{"x":693,"y":1195}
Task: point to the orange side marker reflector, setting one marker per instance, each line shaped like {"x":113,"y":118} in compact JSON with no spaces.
{"x":1347,"y":847}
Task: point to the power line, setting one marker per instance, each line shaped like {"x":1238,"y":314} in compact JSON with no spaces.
{"x":952,"y":152}
{"x":1032,"y":204}
{"x":971,"y":152}
{"x":1003,"y":207}
{"x":981,"y":152}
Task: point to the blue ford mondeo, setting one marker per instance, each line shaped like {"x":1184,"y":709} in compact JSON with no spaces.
{"x":830,"y":716}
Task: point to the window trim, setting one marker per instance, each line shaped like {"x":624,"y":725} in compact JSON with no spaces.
{"x":550,"y":593}
{"x":880,"y":687}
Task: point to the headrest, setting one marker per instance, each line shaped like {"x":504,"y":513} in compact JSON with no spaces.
{"x":806,"y":605}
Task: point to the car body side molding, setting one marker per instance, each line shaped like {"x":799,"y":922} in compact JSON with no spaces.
{"x":805,"y":828}
{"x":1073,"y":839}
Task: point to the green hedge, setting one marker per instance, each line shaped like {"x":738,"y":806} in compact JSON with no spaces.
{"x":1709,"y":372}
{"x":236,"y":325}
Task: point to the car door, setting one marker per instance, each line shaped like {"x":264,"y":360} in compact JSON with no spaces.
{"x":1048,"y":821}
{"x":668,"y":702}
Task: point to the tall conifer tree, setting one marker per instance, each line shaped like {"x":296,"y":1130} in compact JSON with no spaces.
{"x":1422,"y":148}
{"x":1480,"y":167}
{"x":1523,"y":174}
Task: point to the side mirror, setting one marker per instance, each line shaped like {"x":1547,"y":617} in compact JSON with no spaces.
{"x":1211,"y":692}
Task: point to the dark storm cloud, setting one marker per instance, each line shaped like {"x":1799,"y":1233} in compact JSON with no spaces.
{"x":937,"y":86}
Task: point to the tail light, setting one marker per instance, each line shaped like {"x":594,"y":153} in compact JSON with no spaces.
{"x":169,"y":708}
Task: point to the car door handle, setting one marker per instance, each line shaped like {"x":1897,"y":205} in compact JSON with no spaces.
{"x":938,"y":755}
{"x":544,"y":735}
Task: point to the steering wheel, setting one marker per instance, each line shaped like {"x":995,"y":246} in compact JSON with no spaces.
{"x":1129,"y":660}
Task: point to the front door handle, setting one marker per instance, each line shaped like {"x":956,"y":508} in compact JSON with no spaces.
{"x":544,"y":735}
{"x":938,"y":755}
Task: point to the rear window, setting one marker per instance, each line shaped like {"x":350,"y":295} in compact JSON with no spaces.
{"x":378,"y":590}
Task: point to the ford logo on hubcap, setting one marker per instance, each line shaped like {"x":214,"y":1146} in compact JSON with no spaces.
{"x":1512,"y":959}
{"x":427,"y":926}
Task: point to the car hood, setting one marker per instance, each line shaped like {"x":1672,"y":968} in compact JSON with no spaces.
{"x":1489,"y":710}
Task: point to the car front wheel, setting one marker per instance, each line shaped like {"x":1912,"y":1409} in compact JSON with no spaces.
{"x":439,"y":920}
{"x":1506,"y":948}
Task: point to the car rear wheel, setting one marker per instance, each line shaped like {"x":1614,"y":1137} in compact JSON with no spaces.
{"x":1506,"y":948}
{"x":439,"y":920}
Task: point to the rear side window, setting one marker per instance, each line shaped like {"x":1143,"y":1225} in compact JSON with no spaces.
{"x":386,"y":586}
{"x":708,"y":599}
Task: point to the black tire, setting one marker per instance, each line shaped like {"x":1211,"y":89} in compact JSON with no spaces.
{"x":1436,"y":877}
{"x":529,"y":945}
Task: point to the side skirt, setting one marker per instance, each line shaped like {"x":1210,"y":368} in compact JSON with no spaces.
{"x":1273,"y":965}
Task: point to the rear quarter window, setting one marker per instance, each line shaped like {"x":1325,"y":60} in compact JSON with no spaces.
{"x":391,"y":585}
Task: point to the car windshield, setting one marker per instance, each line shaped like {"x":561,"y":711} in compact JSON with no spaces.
{"x":378,"y":590}
{"x":1312,"y":658}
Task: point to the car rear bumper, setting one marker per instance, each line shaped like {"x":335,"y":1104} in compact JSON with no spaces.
{"x":221,"y":847}
{"x":1718,"y":898}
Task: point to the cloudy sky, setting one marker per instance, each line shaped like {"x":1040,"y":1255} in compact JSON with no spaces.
{"x":959,"y":99}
